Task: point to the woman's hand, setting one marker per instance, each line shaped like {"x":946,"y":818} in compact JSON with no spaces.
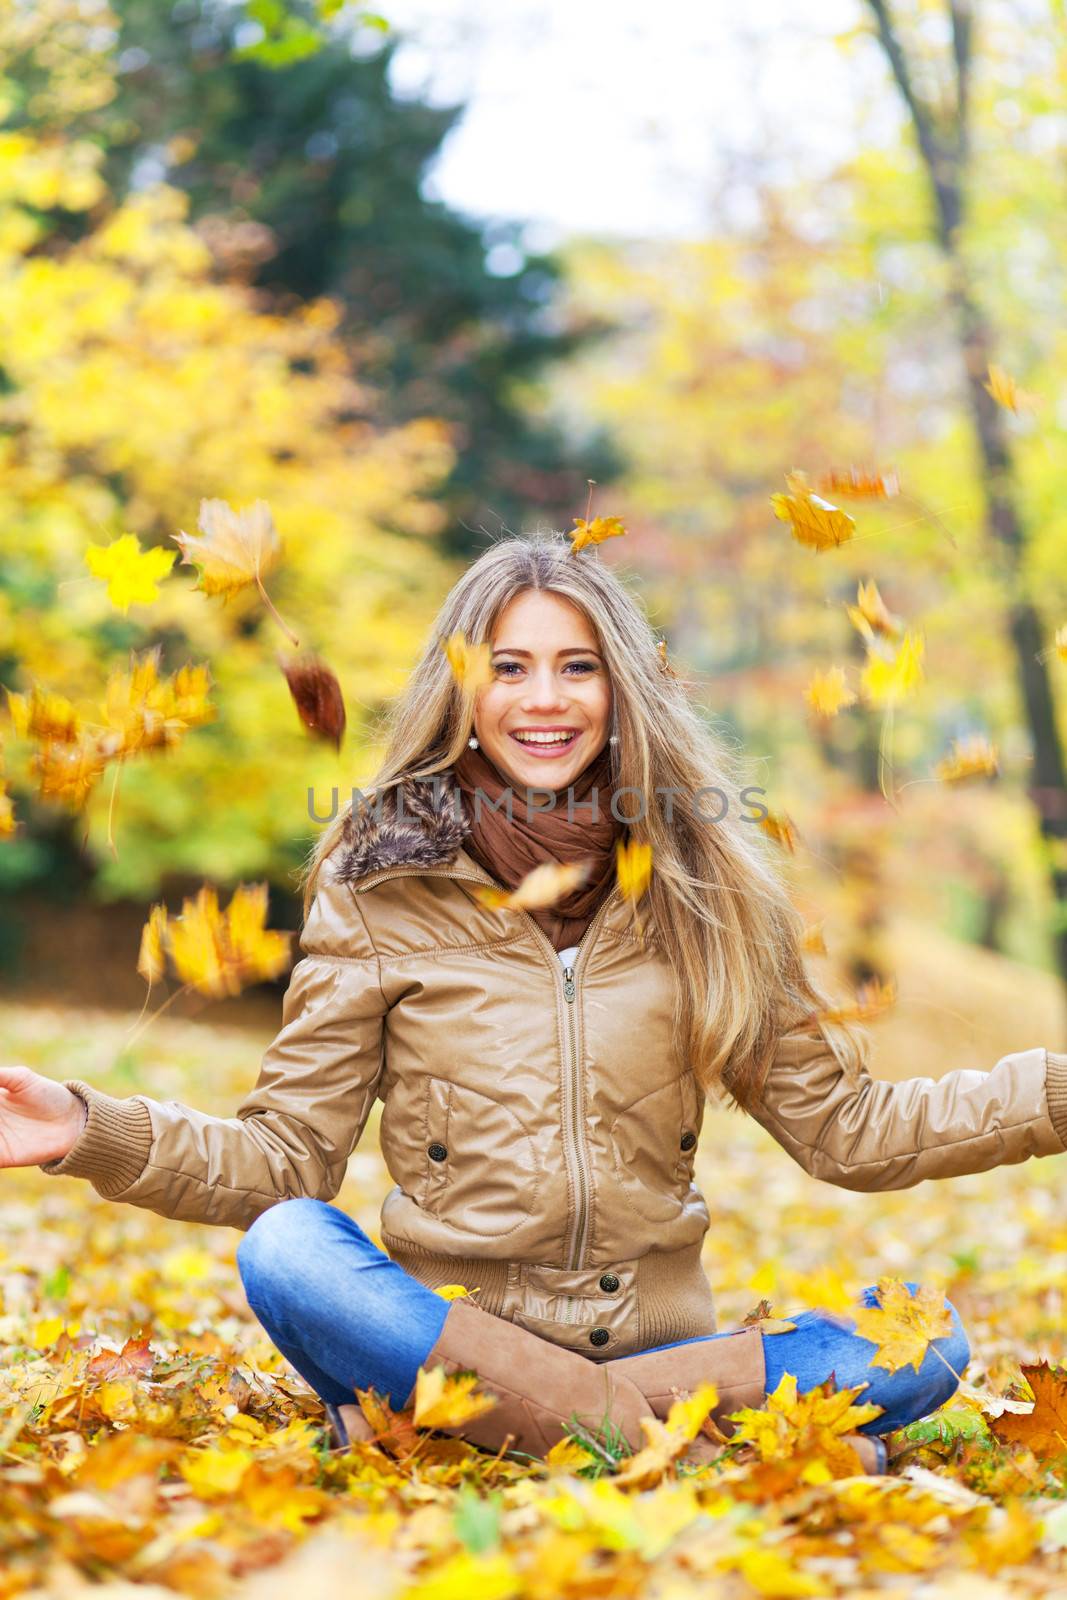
{"x":39,"y":1118}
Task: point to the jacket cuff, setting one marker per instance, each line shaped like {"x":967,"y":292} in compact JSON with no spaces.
{"x":112,"y":1148}
{"x":1056,"y":1090}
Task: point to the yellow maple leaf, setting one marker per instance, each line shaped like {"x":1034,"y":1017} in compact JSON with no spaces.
{"x":902,"y":1324}
{"x":470,"y":663}
{"x":828,"y":692}
{"x":595,"y":532}
{"x":813,"y":940}
{"x":454,"y":1291}
{"x":218,"y":1470}
{"x":444,"y":1400}
{"x":806,"y":1428}
{"x":217,"y":953}
{"x":862,"y":485}
{"x":142,"y":711}
{"x":68,"y":772}
{"x":870,"y":615}
{"x":971,"y":757}
{"x":1006,"y":392}
{"x":667,"y":1439}
{"x":132,"y":574}
{"x":814,"y":521}
{"x":873,"y":997}
{"x":236,"y":548}
{"x":886,"y":681}
{"x":8,"y":824}
{"x":45,"y":715}
{"x":633,"y":868}
{"x":541,"y":886}
{"x":782,"y":828}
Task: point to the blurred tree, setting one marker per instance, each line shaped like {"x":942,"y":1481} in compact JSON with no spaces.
{"x":306,"y":175}
{"x":937,"y":89}
{"x":134,"y":383}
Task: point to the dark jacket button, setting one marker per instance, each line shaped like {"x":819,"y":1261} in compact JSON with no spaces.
{"x":609,"y":1283}
{"x":437,"y":1152}
{"x":599,"y":1336}
{"x":689,"y":1139}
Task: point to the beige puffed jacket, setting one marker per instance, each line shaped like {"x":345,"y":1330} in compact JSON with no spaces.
{"x":537,"y":1123}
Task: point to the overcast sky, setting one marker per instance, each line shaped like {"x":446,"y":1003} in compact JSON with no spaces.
{"x":609,"y":116}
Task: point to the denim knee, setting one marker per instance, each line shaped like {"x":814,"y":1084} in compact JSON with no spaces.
{"x":280,"y":1237}
{"x":907,"y":1394}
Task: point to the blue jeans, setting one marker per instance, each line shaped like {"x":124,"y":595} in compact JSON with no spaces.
{"x":346,"y":1316}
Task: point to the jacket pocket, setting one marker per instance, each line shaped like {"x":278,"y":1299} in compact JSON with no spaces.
{"x":654,"y":1148}
{"x":480,"y":1172}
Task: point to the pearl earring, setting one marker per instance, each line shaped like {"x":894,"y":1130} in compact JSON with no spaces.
{"x":472,"y":741}
{"x":614,"y":739}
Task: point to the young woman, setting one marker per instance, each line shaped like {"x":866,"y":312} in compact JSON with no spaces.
{"x":543,"y":1073}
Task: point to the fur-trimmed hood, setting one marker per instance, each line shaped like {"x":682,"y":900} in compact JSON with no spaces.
{"x":422,"y":822}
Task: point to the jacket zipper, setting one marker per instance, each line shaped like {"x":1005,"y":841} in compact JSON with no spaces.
{"x":575,"y":1146}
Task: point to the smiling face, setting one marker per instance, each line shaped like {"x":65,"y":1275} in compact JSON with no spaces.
{"x":548,"y":674}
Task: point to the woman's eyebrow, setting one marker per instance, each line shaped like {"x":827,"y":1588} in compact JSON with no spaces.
{"x":575,"y":650}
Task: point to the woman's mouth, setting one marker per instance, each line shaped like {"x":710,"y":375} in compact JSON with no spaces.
{"x":544,"y":747}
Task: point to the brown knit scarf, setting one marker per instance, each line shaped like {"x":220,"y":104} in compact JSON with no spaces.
{"x":510,"y":849}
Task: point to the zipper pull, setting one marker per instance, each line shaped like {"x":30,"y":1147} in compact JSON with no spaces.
{"x":568,"y":982}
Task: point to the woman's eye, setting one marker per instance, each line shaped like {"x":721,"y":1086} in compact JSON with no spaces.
{"x":583,"y":666}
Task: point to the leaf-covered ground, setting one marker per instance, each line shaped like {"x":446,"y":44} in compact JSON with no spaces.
{"x":198,"y":1462}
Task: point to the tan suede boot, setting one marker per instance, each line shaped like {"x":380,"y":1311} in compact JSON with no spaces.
{"x":735,"y":1365}
{"x":537,"y":1385}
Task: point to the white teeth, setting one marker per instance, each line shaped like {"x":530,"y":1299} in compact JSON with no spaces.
{"x":543,"y":738}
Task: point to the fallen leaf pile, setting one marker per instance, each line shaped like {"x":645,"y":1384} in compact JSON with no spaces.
{"x":151,"y":1434}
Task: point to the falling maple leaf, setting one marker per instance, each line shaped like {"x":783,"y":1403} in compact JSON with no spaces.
{"x":971,"y":757}
{"x":444,"y":1400}
{"x":1044,"y":1429}
{"x":1006,"y":392}
{"x":861,"y":485}
{"x":887,"y":681}
{"x":8,"y":823}
{"x":132,"y":574}
{"x":44,"y":715}
{"x":542,"y":886}
{"x":813,"y":941}
{"x":781,"y":828}
{"x":469,"y":662}
{"x":872,"y":999}
{"x":902,"y":1324}
{"x":595,"y":532}
{"x":828,"y":692}
{"x":870,"y":615}
{"x":661,"y":649}
{"x":317,"y":696}
{"x":217,"y":953}
{"x":236,"y":548}
{"x":814,"y":521}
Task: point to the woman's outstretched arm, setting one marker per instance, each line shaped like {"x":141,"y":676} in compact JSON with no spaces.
{"x":868,"y":1134}
{"x":293,"y":1133}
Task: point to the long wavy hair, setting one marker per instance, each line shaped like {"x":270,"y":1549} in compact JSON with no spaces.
{"x":719,"y":907}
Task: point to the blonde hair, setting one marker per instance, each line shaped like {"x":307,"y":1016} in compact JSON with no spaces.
{"x":719,"y":908}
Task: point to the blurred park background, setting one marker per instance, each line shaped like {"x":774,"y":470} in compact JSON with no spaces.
{"x":413,"y":279}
